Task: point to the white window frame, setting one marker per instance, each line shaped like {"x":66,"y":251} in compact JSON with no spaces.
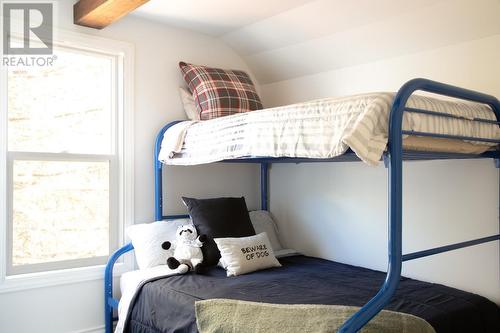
{"x":123,"y":164}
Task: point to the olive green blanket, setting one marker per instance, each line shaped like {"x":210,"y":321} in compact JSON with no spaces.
{"x":225,"y":316}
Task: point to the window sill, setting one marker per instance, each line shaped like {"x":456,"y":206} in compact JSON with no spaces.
{"x":54,"y":278}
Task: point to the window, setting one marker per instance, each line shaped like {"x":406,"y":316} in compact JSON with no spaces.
{"x":68,"y":158}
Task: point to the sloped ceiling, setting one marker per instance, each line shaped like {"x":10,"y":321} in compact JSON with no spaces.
{"x":214,"y":17}
{"x":284,"y":39}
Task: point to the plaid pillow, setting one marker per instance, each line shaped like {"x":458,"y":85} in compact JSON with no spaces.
{"x":219,"y":92}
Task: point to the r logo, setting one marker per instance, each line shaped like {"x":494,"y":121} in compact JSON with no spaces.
{"x":37,"y":21}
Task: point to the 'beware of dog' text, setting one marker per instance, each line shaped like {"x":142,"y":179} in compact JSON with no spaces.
{"x":253,"y":252}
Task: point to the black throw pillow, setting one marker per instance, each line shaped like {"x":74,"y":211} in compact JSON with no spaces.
{"x":219,"y":217}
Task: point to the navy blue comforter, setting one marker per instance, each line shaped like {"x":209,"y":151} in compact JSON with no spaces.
{"x":167,"y":304}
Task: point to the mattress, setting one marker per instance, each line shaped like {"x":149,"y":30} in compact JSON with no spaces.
{"x":167,"y":304}
{"x":327,"y":128}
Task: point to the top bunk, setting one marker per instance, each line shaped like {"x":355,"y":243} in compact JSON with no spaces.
{"x":343,"y":129}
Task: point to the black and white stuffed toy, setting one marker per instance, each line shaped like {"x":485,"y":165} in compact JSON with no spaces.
{"x":187,"y":250}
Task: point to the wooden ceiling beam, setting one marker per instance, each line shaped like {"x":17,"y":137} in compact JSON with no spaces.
{"x":99,"y":14}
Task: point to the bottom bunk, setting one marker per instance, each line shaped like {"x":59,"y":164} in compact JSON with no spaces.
{"x":168,"y":304}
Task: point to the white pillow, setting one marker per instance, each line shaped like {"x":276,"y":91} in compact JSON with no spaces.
{"x":189,"y":104}
{"x":147,"y":239}
{"x":263,"y":222}
{"x":246,"y":254}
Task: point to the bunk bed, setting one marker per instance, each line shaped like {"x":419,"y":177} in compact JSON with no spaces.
{"x":393,"y":157}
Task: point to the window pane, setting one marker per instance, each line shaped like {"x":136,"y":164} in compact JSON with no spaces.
{"x":62,"y":108}
{"x":61,"y":211}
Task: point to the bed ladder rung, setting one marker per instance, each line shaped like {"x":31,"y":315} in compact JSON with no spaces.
{"x":450,"y":115}
{"x":441,"y":249}
{"x":448,"y":136}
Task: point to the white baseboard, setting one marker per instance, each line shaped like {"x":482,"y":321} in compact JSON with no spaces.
{"x":97,"y":329}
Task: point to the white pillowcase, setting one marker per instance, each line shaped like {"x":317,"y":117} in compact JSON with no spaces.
{"x":246,"y":254}
{"x":147,"y":239}
{"x":189,"y":104}
{"x":263,"y":222}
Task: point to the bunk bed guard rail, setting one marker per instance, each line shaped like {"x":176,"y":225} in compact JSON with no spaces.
{"x":394,"y":162}
{"x":395,"y":166}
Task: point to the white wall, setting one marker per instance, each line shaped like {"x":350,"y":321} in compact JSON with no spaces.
{"x":339,"y":211}
{"x":67,"y":308}
{"x":158,"y":49}
{"x":474,"y":64}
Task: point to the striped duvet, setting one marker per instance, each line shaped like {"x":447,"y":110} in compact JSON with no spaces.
{"x":318,"y":129}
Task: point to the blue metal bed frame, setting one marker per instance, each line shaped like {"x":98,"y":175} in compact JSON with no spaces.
{"x":394,"y":162}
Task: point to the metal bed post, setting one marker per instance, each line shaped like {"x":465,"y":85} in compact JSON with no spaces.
{"x":264,"y":186}
{"x":394,"y":162}
{"x":158,"y":172}
{"x":395,"y":169}
{"x":109,"y":302}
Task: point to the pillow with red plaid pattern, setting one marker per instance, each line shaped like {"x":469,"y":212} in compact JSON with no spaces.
{"x":220,"y":92}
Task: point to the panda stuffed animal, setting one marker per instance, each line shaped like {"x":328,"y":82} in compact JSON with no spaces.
{"x":187,"y":249}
